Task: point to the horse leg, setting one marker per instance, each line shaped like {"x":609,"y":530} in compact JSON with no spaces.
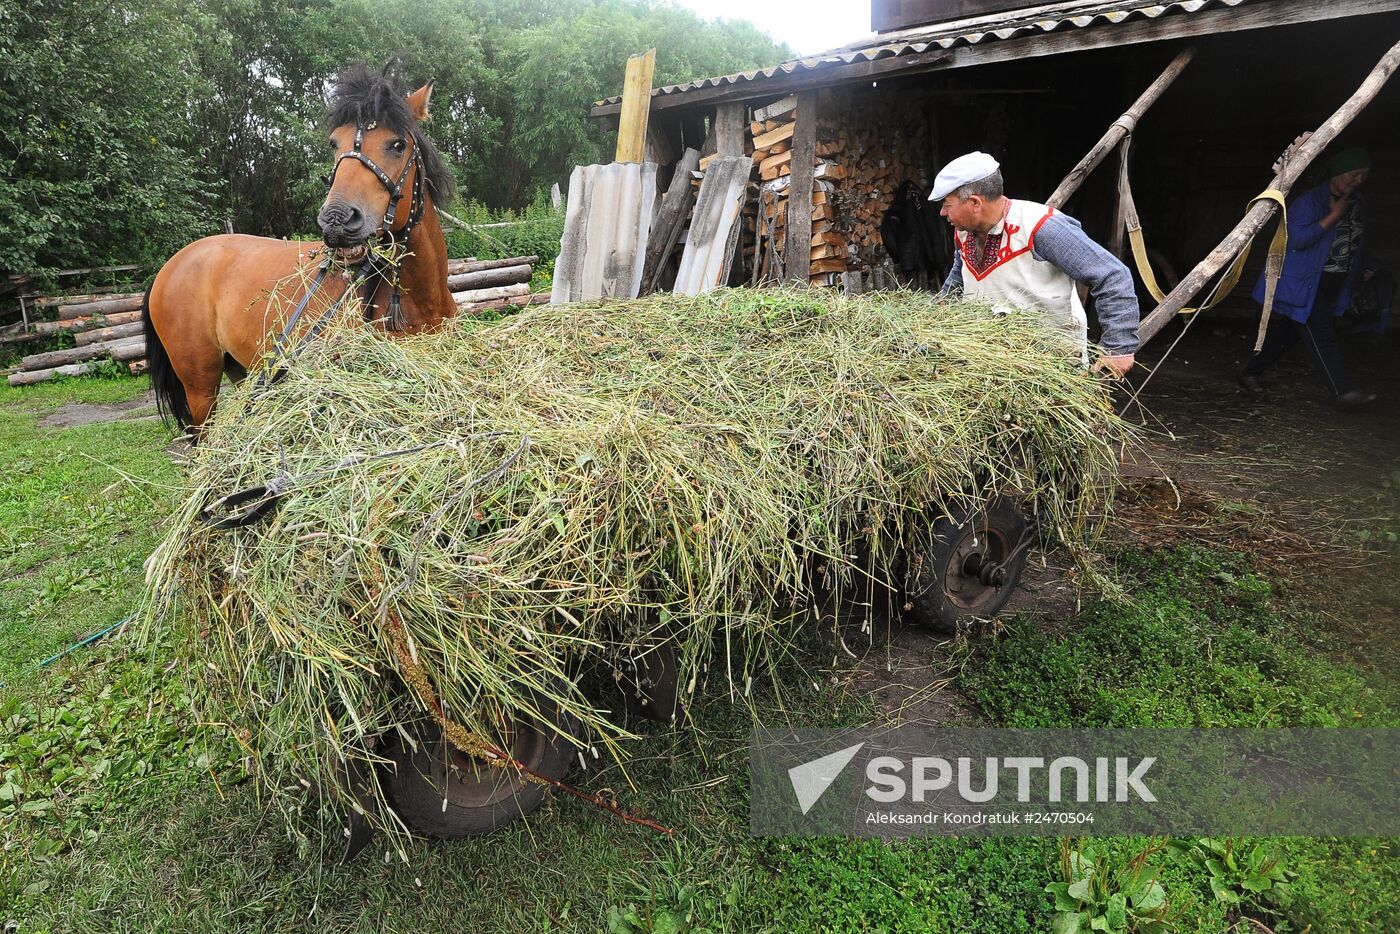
{"x":200,"y":373}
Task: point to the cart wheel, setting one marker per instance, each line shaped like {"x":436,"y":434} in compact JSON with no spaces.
{"x":972,"y":569}
{"x":440,"y":791}
{"x":854,"y":614}
{"x":652,"y":686}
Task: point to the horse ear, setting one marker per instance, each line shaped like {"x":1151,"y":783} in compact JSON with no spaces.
{"x":418,"y":102}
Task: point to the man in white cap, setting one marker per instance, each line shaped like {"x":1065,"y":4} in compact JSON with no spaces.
{"x":1020,"y":254}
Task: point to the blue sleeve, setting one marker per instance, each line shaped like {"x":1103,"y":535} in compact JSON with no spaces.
{"x":954,"y":282}
{"x":1063,"y":242}
{"x":1305,"y":219}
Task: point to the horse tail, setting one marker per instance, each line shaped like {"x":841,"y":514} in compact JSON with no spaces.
{"x":171,"y":401}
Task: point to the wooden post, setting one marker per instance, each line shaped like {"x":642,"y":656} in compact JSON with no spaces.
{"x":729,"y":129}
{"x":1119,"y":128}
{"x":1260,"y":212}
{"x":636,"y":106}
{"x":797,"y":252}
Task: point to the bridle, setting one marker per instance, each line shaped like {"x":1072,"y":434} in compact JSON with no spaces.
{"x":374,"y":266}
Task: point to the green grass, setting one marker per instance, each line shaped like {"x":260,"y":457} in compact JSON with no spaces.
{"x":119,"y":813}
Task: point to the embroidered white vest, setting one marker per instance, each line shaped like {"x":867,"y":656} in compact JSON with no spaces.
{"x":1018,"y":280}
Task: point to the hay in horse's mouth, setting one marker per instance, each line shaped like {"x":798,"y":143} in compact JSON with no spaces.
{"x":350,"y":254}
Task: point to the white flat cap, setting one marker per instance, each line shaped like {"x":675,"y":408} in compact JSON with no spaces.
{"x":972,"y":167}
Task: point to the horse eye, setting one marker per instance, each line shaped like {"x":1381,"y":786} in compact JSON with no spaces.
{"x":398,"y":145}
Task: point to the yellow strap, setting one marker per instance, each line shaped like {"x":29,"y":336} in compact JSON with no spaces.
{"x":1277,"y":248}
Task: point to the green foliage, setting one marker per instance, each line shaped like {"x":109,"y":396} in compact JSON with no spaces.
{"x":535,"y":230}
{"x":1199,"y":645}
{"x":1097,"y":896}
{"x":96,"y":165}
{"x":128,"y":129}
{"x":1240,"y":872}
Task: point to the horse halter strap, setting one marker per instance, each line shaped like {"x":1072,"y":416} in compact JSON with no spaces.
{"x":394,"y":316}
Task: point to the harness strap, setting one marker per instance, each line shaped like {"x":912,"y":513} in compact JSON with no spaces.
{"x":1278,"y":247}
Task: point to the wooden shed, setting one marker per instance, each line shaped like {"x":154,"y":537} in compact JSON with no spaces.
{"x":1039,"y":87}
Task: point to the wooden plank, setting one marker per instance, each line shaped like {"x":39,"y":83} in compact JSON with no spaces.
{"x":1259,"y":214}
{"x":1120,"y":128}
{"x":456,"y":267}
{"x":729,"y":129}
{"x":1064,"y":41}
{"x":776,"y":109}
{"x":45,"y":301}
{"x":666,"y":229}
{"x":636,"y":107}
{"x":799,"y":213}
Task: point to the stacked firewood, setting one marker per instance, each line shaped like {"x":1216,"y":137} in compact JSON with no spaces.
{"x":484,"y":285}
{"x":766,"y":216}
{"x":882,"y":152}
{"x":109,"y":326}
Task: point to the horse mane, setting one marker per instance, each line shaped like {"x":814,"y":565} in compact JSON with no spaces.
{"x":360,"y":94}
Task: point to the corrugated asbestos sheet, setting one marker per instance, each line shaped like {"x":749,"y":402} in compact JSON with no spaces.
{"x":709,"y":246}
{"x":1077,"y":14}
{"x":605,"y":232}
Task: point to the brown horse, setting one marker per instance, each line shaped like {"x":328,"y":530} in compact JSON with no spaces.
{"x":214,"y":306}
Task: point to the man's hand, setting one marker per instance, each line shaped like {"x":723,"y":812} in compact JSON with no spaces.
{"x":1116,"y":366}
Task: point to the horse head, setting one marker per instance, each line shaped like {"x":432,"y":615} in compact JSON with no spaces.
{"x":385,"y":170}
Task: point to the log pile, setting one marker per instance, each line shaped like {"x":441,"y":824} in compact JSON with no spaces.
{"x":770,"y":135}
{"x":880,"y":155}
{"x":108,"y":326}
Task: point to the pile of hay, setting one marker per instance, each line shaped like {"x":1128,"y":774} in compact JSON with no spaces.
{"x":576,"y":482}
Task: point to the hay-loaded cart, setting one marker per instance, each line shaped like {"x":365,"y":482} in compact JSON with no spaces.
{"x":428,"y":576}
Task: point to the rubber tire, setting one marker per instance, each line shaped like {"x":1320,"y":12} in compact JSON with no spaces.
{"x":652,"y":686}
{"x":414,"y":781}
{"x":934,"y":600}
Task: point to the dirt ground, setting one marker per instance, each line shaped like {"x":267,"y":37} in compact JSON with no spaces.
{"x":1302,"y":487}
{"x":75,"y":414}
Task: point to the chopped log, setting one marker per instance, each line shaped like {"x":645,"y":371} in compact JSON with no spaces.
{"x":1260,"y":212}
{"x":485,"y":295}
{"x":485,"y":278}
{"x":75,"y":325}
{"x":766,"y":140}
{"x":777,"y":108}
{"x":126,"y":351}
{"x":30,"y":377}
{"x":137,"y":367}
{"x":768,"y":168}
{"x":100,"y":335}
{"x":1120,"y":128}
{"x":104,"y":307}
{"x":670,"y":220}
{"x":55,"y":358}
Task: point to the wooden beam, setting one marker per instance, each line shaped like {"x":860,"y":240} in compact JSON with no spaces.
{"x":986,"y":52}
{"x":635,"y":108}
{"x":666,"y":227}
{"x":783,"y":83}
{"x":729,"y":129}
{"x":1259,"y":214}
{"x":797,"y":250}
{"x":1120,"y":128}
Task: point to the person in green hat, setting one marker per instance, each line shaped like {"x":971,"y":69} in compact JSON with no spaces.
{"x":1326,"y":228}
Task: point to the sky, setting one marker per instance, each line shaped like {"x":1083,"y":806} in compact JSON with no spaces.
{"x":808,"y":26}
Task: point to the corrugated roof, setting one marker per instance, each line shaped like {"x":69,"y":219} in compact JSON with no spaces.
{"x":1076,"y":14}
{"x":709,"y":244}
{"x":605,"y":232}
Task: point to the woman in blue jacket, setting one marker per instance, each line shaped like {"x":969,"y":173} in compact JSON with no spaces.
{"x":1325,"y":234}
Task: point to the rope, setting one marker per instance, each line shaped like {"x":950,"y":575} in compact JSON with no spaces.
{"x":88,"y":640}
